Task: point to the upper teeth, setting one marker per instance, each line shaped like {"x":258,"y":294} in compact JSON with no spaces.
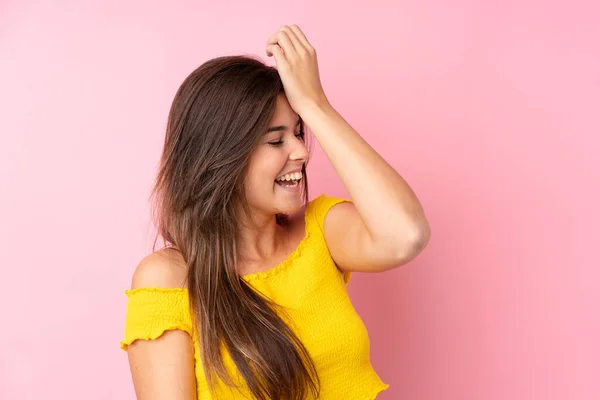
{"x":295,"y":176}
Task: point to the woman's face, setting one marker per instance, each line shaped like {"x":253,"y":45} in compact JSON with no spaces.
{"x":274,"y":182}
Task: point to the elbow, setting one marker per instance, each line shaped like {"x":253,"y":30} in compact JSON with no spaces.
{"x":422,"y":238}
{"x":413,"y":244}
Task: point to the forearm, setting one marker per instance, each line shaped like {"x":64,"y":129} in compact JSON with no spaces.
{"x":387,"y":205}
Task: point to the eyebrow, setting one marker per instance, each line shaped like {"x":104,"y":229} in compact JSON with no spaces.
{"x":281,"y":127}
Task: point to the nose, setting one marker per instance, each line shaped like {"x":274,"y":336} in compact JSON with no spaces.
{"x":298,"y":152}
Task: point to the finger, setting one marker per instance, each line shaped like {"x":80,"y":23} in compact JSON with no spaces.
{"x":270,"y":49}
{"x":283,"y":40}
{"x":301,"y":37}
{"x":275,"y":51}
{"x":298,"y":45}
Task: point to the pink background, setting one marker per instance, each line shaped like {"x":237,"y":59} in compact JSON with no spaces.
{"x":489,"y":109}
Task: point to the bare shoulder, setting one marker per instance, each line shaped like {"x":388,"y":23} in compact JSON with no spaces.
{"x":165,"y":268}
{"x":162,"y":368}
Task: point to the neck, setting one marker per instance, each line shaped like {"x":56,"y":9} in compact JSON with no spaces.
{"x":259,"y":239}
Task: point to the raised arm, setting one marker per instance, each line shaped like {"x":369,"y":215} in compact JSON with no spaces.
{"x":386,"y":226}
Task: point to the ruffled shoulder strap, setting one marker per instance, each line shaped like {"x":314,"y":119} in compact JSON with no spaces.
{"x":153,"y":311}
{"x":317,"y":210}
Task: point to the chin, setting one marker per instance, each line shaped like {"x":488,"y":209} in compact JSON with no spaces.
{"x":288,"y":201}
{"x":288,"y":206}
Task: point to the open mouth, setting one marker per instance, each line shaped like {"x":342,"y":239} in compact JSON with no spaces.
{"x":290,"y":184}
{"x":289,"y":180}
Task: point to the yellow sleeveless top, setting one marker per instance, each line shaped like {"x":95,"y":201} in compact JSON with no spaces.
{"x":312,"y":290}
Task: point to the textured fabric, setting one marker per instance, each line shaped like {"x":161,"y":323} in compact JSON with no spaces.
{"x":312,"y":290}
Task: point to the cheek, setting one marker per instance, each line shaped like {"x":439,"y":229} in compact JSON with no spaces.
{"x":265,"y":165}
{"x":262,"y":171}
{"x":270,"y":163}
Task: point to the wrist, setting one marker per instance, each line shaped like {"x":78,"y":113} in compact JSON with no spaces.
{"x":314,"y":109}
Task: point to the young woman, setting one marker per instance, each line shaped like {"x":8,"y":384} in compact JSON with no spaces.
{"x":247,"y":298}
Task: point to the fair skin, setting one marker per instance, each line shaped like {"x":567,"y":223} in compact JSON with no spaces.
{"x":262,"y":243}
{"x":162,"y":368}
{"x":383,"y":229}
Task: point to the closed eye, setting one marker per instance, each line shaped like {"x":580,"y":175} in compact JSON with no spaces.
{"x":280,"y":142}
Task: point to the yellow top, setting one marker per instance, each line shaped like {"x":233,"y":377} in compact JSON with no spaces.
{"x":312,"y":290}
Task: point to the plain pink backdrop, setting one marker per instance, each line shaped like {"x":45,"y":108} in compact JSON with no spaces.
{"x":490,"y":110}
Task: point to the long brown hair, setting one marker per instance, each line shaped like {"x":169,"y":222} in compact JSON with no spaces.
{"x":218,"y":115}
